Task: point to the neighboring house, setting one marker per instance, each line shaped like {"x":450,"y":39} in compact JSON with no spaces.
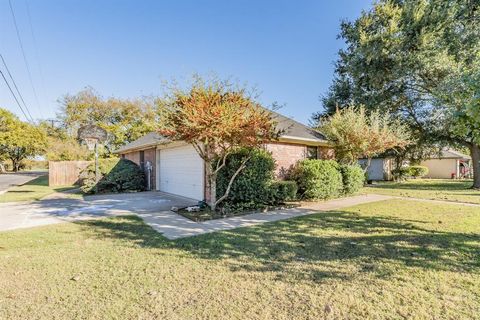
{"x":448,"y":164}
{"x":178,"y":169}
{"x":380,"y":169}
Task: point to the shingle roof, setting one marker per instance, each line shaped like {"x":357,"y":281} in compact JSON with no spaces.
{"x":450,"y":154}
{"x":148,"y":140}
{"x":291,"y":129}
{"x":296,"y":129}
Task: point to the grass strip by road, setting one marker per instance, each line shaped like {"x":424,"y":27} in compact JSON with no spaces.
{"x":35,"y":189}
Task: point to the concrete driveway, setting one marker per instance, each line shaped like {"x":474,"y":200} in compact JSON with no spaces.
{"x":44,"y":212}
{"x":154,"y":209}
{"x":8,"y":180}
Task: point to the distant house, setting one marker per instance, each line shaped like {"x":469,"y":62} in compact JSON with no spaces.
{"x":448,"y":164}
{"x":380,"y":169}
{"x":175,"y":166}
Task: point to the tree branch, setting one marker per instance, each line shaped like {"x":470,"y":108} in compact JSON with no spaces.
{"x":224,"y":161}
{"x":230,"y":183}
{"x":199,"y":150}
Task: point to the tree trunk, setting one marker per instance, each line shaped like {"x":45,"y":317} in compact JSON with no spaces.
{"x":2,"y":168}
{"x":475,"y":153}
{"x":367,"y":165}
{"x":15,"y":164}
{"x":211,"y":185}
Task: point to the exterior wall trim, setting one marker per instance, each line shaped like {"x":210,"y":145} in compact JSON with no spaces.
{"x":304,"y":141}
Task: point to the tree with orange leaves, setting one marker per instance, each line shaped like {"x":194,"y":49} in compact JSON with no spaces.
{"x":216,"y":118}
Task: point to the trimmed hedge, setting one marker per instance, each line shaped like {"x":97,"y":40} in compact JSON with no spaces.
{"x":418,"y":171}
{"x":282,"y":191}
{"x":254,"y":187}
{"x":318,"y":179}
{"x":353,"y":178}
{"x":251,"y":186}
{"x":116,"y":175}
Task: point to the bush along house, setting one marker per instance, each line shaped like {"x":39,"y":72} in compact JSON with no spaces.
{"x":175,"y":167}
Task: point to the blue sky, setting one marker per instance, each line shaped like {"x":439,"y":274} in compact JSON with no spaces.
{"x":126,"y":48}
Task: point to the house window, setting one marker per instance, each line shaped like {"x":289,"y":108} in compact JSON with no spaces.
{"x":312,"y":152}
{"x":142,"y":158}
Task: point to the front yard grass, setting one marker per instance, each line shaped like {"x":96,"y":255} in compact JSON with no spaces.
{"x":35,"y":189}
{"x":435,"y":189}
{"x":388,"y":260}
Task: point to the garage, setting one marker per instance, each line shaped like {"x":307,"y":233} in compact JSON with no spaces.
{"x":180,"y":171}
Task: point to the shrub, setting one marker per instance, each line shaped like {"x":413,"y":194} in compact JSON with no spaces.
{"x":418,"y":171}
{"x":116,"y":175}
{"x":400,"y":174}
{"x":251,"y":188}
{"x":317,"y":179}
{"x":281,"y":191}
{"x":353,"y":178}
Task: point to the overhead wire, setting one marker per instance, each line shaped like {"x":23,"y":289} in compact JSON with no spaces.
{"x":24,"y":56}
{"x":15,"y":85}
{"x":14,"y":96}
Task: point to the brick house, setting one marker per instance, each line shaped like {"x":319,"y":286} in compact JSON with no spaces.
{"x":177,"y":168}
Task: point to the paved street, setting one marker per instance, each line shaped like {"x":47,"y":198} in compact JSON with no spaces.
{"x":8,"y":180}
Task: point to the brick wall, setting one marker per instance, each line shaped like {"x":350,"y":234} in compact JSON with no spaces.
{"x":286,"y":155}
{"x":149,"y":155}
{"x":133,"y":156}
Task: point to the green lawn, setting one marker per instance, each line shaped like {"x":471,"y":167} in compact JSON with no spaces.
{"x":32,"y":190}
{"x":438,"y":189}
{"x":394,"y":259}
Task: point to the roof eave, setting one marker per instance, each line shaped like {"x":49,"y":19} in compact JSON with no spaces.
{"x":302,"y":140}
{"x":284,"y":138}
{"x":139,"y":148}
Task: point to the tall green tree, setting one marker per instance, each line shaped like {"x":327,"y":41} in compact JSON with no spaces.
{"x":125,"y":120}
{"x":405,"y":57}
{"x":19,"y":140}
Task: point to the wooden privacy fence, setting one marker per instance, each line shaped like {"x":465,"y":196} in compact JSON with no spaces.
{"x":65,"y":173}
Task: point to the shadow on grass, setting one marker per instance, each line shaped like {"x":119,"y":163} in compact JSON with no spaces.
{"x":127,"y":228}
{"x":312,"y":244}
{"x":440,"y":186}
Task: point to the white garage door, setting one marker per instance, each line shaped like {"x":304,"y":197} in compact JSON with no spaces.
{"x":181,"y":172}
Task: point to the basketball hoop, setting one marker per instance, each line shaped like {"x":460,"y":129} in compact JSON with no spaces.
{"x":90,"y":142}
{"x":92,"y":135}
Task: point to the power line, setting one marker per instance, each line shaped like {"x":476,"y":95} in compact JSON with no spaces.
{"x":14,"y":96}
{"x":15,"y":85}
{"x":24,"y":56}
